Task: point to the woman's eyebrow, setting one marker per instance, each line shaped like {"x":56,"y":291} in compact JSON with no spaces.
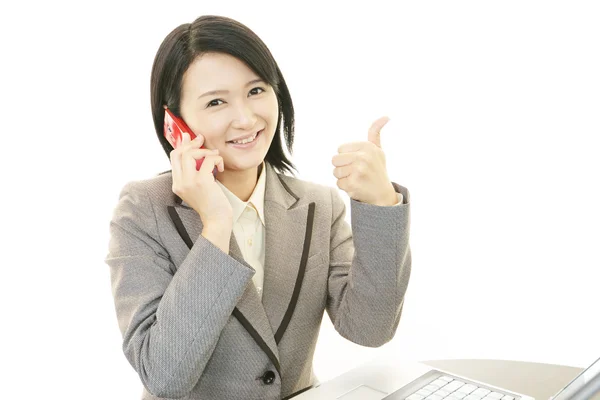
{"x":213,"y":92}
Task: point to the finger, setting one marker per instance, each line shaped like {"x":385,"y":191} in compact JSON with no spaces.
{"x":375,"y":129}
{"x":342,"y":172}
{"x":340,"y":160}
{"x":197,"y":142}
{"x":188,"y":167}
{"x":200,"y":153}
{"x":192,"y":144}
{"x":350,"y":147}
{"x":197,"y":154}
{"x":175,"y":157}
{"x":343,"y":184}
{"x":210,"y":162}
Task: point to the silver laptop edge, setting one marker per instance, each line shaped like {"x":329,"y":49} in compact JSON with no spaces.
{"x":388,"y":376}
{"x":583,"y":386}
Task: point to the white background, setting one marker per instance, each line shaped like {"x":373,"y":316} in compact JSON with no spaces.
{"x":495,"y":120}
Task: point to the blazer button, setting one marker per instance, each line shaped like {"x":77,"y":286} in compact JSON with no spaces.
{"x":268,"y":377}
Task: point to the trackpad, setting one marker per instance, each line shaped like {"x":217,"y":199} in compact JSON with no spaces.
{"x":363,"y":392}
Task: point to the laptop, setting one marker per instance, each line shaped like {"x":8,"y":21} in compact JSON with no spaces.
{"x":389,"y":380}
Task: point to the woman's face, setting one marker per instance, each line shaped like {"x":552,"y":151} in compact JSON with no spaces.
{"x":222,"y":100}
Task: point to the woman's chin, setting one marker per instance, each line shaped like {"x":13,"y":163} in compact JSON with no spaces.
{"x":243,"y":164}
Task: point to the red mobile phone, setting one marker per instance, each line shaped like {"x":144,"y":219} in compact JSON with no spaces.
{"x":174,"y":128}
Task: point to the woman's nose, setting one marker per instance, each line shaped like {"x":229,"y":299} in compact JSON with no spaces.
{"x":245,"y":117}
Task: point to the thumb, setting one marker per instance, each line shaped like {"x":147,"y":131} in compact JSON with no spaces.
{"x":374,"y":130}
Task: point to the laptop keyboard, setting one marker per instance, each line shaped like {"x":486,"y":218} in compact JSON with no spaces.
{"x":446,"y":387}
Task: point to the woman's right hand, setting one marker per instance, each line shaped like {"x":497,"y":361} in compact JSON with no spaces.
{"x":199,"y":188}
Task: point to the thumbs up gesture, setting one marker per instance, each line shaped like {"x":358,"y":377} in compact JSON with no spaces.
{"x":361,"y":171}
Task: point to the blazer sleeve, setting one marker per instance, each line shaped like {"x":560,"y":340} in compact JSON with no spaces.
{"x":170,"y":321}
{"x":369,"y":270}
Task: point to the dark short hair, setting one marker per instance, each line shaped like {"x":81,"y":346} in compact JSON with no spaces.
{"x":210,"y":33}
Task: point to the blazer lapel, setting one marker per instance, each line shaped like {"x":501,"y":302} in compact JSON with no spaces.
{"x":250,"y":313}
{"x":288,"y":238}
{"x":249,"y":310}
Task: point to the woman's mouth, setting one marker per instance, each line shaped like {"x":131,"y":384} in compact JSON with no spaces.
{"x":246,"y":143}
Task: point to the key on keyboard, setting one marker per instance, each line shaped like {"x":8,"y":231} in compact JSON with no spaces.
{"x":446,"y":387}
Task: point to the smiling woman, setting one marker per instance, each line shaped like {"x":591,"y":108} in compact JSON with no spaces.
{"x":238,"y":114}
{"x":220,"y":282}
{"x":216,"y":56}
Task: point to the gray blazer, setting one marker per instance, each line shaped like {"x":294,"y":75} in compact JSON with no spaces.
{"x":193,"y":325}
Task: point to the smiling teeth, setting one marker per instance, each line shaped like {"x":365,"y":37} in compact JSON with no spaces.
{"x":248,"y":140}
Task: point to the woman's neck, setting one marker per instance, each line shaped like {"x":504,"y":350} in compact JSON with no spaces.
{"x":240,"y":183}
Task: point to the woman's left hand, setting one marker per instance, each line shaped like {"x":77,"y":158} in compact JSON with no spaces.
{"x":361,"y":171}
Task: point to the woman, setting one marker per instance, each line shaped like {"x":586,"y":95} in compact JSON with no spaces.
{"x":220,"y":284}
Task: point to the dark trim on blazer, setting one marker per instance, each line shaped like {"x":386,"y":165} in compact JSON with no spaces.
{"x":256,"y":336}
{"x":236,"y":313}
{"x":299,"y":278}
{"x":297,"y":393}
{"x":180,"y":228}
{"x":179,"y":201}
{"x":287,"y":188}
{"x":305,"y":250}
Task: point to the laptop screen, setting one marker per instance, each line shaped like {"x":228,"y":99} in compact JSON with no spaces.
{"x":580,"y":382}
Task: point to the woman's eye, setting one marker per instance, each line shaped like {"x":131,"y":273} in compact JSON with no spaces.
{"x":212,"y":103}
{"x":259,"y":88}
{"x":215,"y":103}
